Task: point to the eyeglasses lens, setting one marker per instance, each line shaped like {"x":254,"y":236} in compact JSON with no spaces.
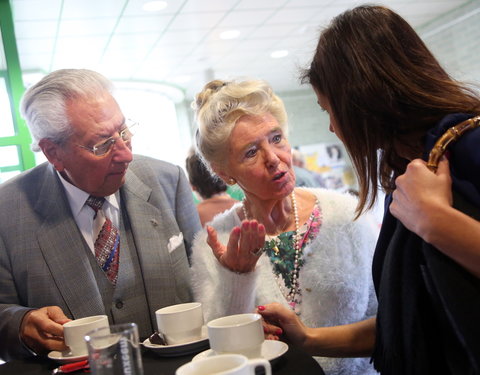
{"x":103,"y":148}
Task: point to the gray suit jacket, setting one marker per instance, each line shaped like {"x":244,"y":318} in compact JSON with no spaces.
{"x":42,"y":252}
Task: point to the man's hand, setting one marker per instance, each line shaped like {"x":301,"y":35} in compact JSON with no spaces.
{"x":42,"y":330}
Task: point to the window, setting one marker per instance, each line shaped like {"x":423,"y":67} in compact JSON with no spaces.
{"x":6,"y":122}
{"x":15,"y":152}
{"x":159,"y":133}
{"x":9,"y":154}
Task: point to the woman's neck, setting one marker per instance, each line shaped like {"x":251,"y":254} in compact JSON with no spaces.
{"x":221,"y":195}
{"x":275,"y":215}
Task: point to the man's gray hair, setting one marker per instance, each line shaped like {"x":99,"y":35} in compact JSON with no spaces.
{"x":43,"y":104}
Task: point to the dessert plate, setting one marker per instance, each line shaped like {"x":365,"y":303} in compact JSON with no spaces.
{"x":63,"y":357}
{"x":179,"y":349}
{"x":271,"y":350}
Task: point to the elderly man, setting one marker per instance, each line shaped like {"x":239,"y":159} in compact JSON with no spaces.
{"x":95,"y":230}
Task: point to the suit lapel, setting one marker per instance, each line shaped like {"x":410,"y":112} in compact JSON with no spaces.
{"x":63,"y":248}
{"x":151,"y":231}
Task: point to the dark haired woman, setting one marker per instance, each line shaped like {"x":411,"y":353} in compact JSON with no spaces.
{"x":389,"y":100}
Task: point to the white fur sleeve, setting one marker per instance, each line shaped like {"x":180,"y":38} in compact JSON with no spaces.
{"x":221,"y":291}
{"x":367,"y":236}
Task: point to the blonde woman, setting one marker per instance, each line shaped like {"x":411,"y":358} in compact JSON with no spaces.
{"x":297,"y":246}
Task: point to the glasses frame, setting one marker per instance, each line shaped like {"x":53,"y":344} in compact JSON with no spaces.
{"x":125,"y":134}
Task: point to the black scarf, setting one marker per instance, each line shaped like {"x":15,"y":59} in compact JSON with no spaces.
{"x":428,"y":319}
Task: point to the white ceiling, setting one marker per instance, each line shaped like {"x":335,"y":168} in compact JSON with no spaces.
{"x":180,"y":45}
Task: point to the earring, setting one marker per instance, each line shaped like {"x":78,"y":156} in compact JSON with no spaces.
{"x":231,"y":181}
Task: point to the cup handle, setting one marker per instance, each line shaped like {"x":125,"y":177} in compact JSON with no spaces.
{"x":260,"y":362}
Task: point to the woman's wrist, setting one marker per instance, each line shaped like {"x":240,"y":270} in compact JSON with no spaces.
{"x":430,"y":223}
{"x":310,"y":340}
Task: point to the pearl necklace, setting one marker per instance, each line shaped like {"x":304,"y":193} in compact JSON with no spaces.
{"x":294,"y":290}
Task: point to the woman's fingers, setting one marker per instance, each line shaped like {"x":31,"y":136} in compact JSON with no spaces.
{"x":243,"y":242}
{"x":247,"y":240}
{"x":212,"y":240}
{"x":271,"y":329}
{"x":280,"y":317}
{"x":444,"y":168}
{"x":274,"y":312}
{"x":230,"y":258}
{"x":260,"y":235}
{"x":252,"y":237}
{"x":232,"y":245}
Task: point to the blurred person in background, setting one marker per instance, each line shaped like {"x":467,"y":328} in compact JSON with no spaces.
{"x":211,"y":189}
{"x":303,"y":176}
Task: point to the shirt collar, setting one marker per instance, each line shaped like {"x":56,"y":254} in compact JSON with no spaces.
{"x":78,"y":197}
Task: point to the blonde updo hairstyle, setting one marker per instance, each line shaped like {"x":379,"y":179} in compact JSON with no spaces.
{"x":221,"y":104}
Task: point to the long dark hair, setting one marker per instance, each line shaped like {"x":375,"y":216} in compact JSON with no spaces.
{"x":385,"y":89}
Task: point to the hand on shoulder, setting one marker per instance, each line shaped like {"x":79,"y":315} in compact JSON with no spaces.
{"x":419,"y":193}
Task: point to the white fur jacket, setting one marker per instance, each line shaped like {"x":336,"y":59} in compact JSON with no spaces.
{"x":336,"y":278}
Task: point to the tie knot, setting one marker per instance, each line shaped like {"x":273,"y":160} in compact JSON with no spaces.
{"x":95,"y":203}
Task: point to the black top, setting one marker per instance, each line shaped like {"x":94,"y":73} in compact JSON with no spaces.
{"x":429,"y":307}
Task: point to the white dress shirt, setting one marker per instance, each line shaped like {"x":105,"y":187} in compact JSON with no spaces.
{"x":84,"y":214}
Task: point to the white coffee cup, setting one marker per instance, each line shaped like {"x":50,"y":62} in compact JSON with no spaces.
{"x":75,"y":330}
{"x":238,"y":334}
{"x":180,"y":323}
{"x":225,"y":364}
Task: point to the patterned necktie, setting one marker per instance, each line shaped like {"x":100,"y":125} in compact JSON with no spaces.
{"x":107,"y":244}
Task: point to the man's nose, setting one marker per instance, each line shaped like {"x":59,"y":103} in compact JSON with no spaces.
{"x":122,"y":152}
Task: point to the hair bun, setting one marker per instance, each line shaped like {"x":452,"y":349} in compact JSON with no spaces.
{"x":208,"y":90}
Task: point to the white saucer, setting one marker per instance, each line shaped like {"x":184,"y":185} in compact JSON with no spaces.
{"x":63,"y":357}
{"x":179,"y":349}
{"x":271,"y":350}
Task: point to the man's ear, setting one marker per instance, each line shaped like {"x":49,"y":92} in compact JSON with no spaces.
{"x":52,"y":152}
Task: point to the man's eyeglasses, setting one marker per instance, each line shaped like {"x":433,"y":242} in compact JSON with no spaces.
{"x":106,"y":146}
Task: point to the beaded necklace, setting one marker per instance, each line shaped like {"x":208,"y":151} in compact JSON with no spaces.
{"x":296,"y":245}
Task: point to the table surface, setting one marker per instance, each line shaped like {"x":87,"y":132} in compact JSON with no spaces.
{"x":294,"y":361}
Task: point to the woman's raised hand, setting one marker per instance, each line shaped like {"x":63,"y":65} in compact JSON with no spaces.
{"x":242,"y":251}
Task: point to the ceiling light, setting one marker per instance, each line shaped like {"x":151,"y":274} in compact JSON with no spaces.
{"x":279,"y":54}
{"x":230,"y":34}
{"x":154,"y":6}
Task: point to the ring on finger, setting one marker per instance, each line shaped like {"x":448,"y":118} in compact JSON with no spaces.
{"x":258,"y":251}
